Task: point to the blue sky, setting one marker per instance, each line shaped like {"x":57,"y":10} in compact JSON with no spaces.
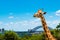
{"x":17,"y":15}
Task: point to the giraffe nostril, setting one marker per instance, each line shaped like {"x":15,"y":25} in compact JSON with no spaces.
{"x":34,"y":16}
{"x":40,"y":13}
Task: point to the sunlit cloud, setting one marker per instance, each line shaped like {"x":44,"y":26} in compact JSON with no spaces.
{"x":51,"y":16}
{"x":58,"y":13}
{"x":53,"y":23}
{"x":10,"y":17}
{"x":11,"y":23}
{"x":27,"y":24}
{"x":1,"y":22}
{"x":23,"y":24}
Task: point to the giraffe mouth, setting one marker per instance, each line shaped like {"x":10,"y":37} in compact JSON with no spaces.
{"x":34,"y":15}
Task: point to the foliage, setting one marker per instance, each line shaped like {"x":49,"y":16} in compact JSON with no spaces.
{"x":10,"y":35}
{"x":58,"y":26}
{"x":1,"y":37}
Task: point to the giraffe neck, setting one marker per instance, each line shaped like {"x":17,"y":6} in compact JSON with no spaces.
{"x":46,"y":30}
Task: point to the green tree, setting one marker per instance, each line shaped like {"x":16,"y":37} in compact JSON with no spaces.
{"x":10,"y":35}
{"x":37,"y":37}
{"x":1,"y":37}
{"x":58,"y":26}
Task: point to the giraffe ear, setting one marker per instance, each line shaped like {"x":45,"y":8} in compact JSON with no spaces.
{"x":44,"y":13}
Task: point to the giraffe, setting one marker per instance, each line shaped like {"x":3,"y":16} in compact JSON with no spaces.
{"x":47,"y":32}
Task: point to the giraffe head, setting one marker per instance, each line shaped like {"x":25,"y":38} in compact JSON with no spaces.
{"x":39,"y":14}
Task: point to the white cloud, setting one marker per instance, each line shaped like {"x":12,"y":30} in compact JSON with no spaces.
{"x":11,"y":23}
{"x":10,"y":17}
{"x":7,"y":24}
{"x":1,"y":22}
{"x":49,"y":23}
{"x":27,"y":24}
{"x":53,"y":23}
{"x":51,"y":16}
{"x":58,"y":13}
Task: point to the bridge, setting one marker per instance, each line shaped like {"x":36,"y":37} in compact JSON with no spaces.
{"x":36,"y":28}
